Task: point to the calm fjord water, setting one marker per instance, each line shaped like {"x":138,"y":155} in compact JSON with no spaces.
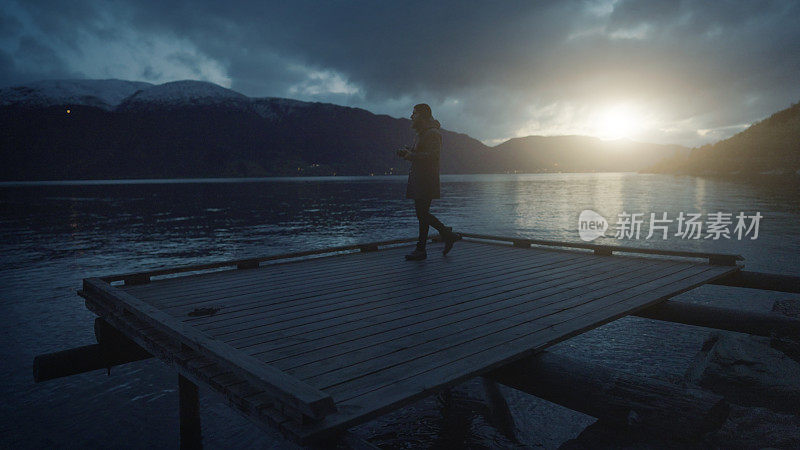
{"x":56,"y":234}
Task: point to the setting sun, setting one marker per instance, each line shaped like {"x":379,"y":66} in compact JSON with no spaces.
{"x":617,"y":122}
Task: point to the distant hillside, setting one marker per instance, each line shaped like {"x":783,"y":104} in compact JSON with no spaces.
{"x":579,"y":154}
{"x":95,"y":129}
{"x":769,"y":147}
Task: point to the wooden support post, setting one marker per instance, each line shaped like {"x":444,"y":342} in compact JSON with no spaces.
{"x":112,"y":349}
{"x":759,"y":280}
{"x":191,"y":432}
{"x":617,"y":397}
{"x":750,"y":322}
{"x":67,"y":362}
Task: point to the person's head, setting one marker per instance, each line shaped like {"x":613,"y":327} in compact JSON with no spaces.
{"x":422,"y":113}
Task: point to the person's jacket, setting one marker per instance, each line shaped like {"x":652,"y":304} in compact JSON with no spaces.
{"x":423,"y":177}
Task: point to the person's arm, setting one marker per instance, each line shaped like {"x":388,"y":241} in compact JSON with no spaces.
{"x":429,"y":147}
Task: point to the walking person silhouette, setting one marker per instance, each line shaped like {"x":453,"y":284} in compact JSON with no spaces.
{"x":423,"y":179}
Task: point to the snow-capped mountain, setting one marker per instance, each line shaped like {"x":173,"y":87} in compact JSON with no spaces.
{"x":104,"y":94}
{"x":121,"y":95}
{"x":182,"y":93}
{"x":83,"y":129}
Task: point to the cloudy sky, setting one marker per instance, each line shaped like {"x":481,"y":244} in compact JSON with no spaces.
{"x":659,"y":71}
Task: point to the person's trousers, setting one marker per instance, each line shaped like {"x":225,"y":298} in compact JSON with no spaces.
{"x":426,"y":219}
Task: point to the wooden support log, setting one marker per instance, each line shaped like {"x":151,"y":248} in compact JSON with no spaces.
{"x":616,"y":397}
{"x":750,"y":322}
{"x":112,"y":349}
{"x":68,"y":362}
{"x":190,"y":429}
{"x":760,"y":280}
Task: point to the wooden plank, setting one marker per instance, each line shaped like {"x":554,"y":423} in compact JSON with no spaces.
{"x":301,"y":298}
{"x":449,"y":342}
{"x":375,"y":270}
{"x":430,"y":311}
{"x":236,"y":262}
{"x":511,"y":336}
{"x":201,"y":282}
{"x":405,"y":339}
{"x":414,"y":305}
{"x":296,"y":301}
{"x":353,"y":265}
{"x":409,"y":389}
{"x":471,"y":340}
{"x":204,"y":281}
{"x":288,"y":389}
{"x":354,"y":262}
{"x":608,"y":249}
{"x":403,"y":312}
{"x":356,"y":307}
{"x":379,"y":270}
{"x":417,"y":309}
{"x":252,"y":307}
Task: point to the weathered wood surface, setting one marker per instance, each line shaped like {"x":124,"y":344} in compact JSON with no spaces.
{"x":191,"y":432}
{"x":617,"y":397}
{"x":112,"y":348}
{"x":742,"y":321}
{"x":374,"y":332}
{"x":296,"y":393}
{"x":607,"y":250}
{"x":760,"y":280}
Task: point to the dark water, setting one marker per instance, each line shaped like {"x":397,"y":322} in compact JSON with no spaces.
{"x":54,"y":235}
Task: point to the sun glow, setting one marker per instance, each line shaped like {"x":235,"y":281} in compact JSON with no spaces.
{"x":617,"y":122}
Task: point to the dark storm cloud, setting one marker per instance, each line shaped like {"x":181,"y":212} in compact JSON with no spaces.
{"x":9,"y":26}
{"x":492,"y":70}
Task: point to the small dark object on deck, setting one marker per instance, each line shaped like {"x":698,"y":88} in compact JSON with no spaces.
{"x":203,"y":312}
{"x":248,"y":264}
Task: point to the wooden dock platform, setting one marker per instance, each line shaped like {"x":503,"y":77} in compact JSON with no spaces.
{"x":313,"y":346}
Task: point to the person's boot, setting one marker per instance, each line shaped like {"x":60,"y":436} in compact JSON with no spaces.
{"x":417,"y":255}
{"x":449,"y":238}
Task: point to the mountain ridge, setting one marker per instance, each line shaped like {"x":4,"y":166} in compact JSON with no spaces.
{"x":767,"y":147}
{"x":199,"y":129}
